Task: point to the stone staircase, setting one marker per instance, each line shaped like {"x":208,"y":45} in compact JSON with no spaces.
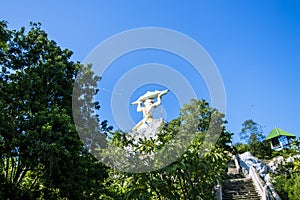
{"x":237,"y":186}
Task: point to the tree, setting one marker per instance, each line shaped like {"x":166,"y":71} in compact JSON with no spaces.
{"x":252,"y":133}
{"x":194,"y":174}
{"x":41,"y":155}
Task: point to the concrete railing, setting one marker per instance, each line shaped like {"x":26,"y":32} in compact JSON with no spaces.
{"x":236,"y":162}
{"x":266,"y":190}
{"x":218,"y":191}
{"x":258,"y":182}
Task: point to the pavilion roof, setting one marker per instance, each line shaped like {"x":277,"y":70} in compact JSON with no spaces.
{"x":276,"y":132}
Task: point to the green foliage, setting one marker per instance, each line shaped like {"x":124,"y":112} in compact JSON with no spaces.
{"x":287,"y":177}
{"x":261,"y":149}
{"x":41,"y":155}
{"x":242,"y":148}
{"x":288,"y":187}
{"x":193,"y":175}
{"x":252,"y":133}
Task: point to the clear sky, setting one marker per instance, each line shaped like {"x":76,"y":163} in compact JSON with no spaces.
{"x":255,"y":44}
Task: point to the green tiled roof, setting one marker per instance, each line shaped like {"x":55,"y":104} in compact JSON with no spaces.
{"x":278,"y":132}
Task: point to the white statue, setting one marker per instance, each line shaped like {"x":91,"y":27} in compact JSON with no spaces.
{"x":150,"y":105}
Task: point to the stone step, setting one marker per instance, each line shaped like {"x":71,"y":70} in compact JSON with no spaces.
{"x":237,"y":186}
{"x":240,"y":188}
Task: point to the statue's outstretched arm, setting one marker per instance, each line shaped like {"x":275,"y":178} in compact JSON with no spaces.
{"x":158,"y":102}
{"x":139,"y":107}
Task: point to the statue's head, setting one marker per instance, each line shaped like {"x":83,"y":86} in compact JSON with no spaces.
{"x":149,"y":102}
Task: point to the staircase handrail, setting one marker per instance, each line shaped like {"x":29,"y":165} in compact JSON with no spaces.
{"x":236,"y":162}
{"x":258,"y":182}
{"x":265,"y":189}
{"x":218,"y":191}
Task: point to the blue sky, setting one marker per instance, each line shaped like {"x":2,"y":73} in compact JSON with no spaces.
{"x":255,"y":44}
